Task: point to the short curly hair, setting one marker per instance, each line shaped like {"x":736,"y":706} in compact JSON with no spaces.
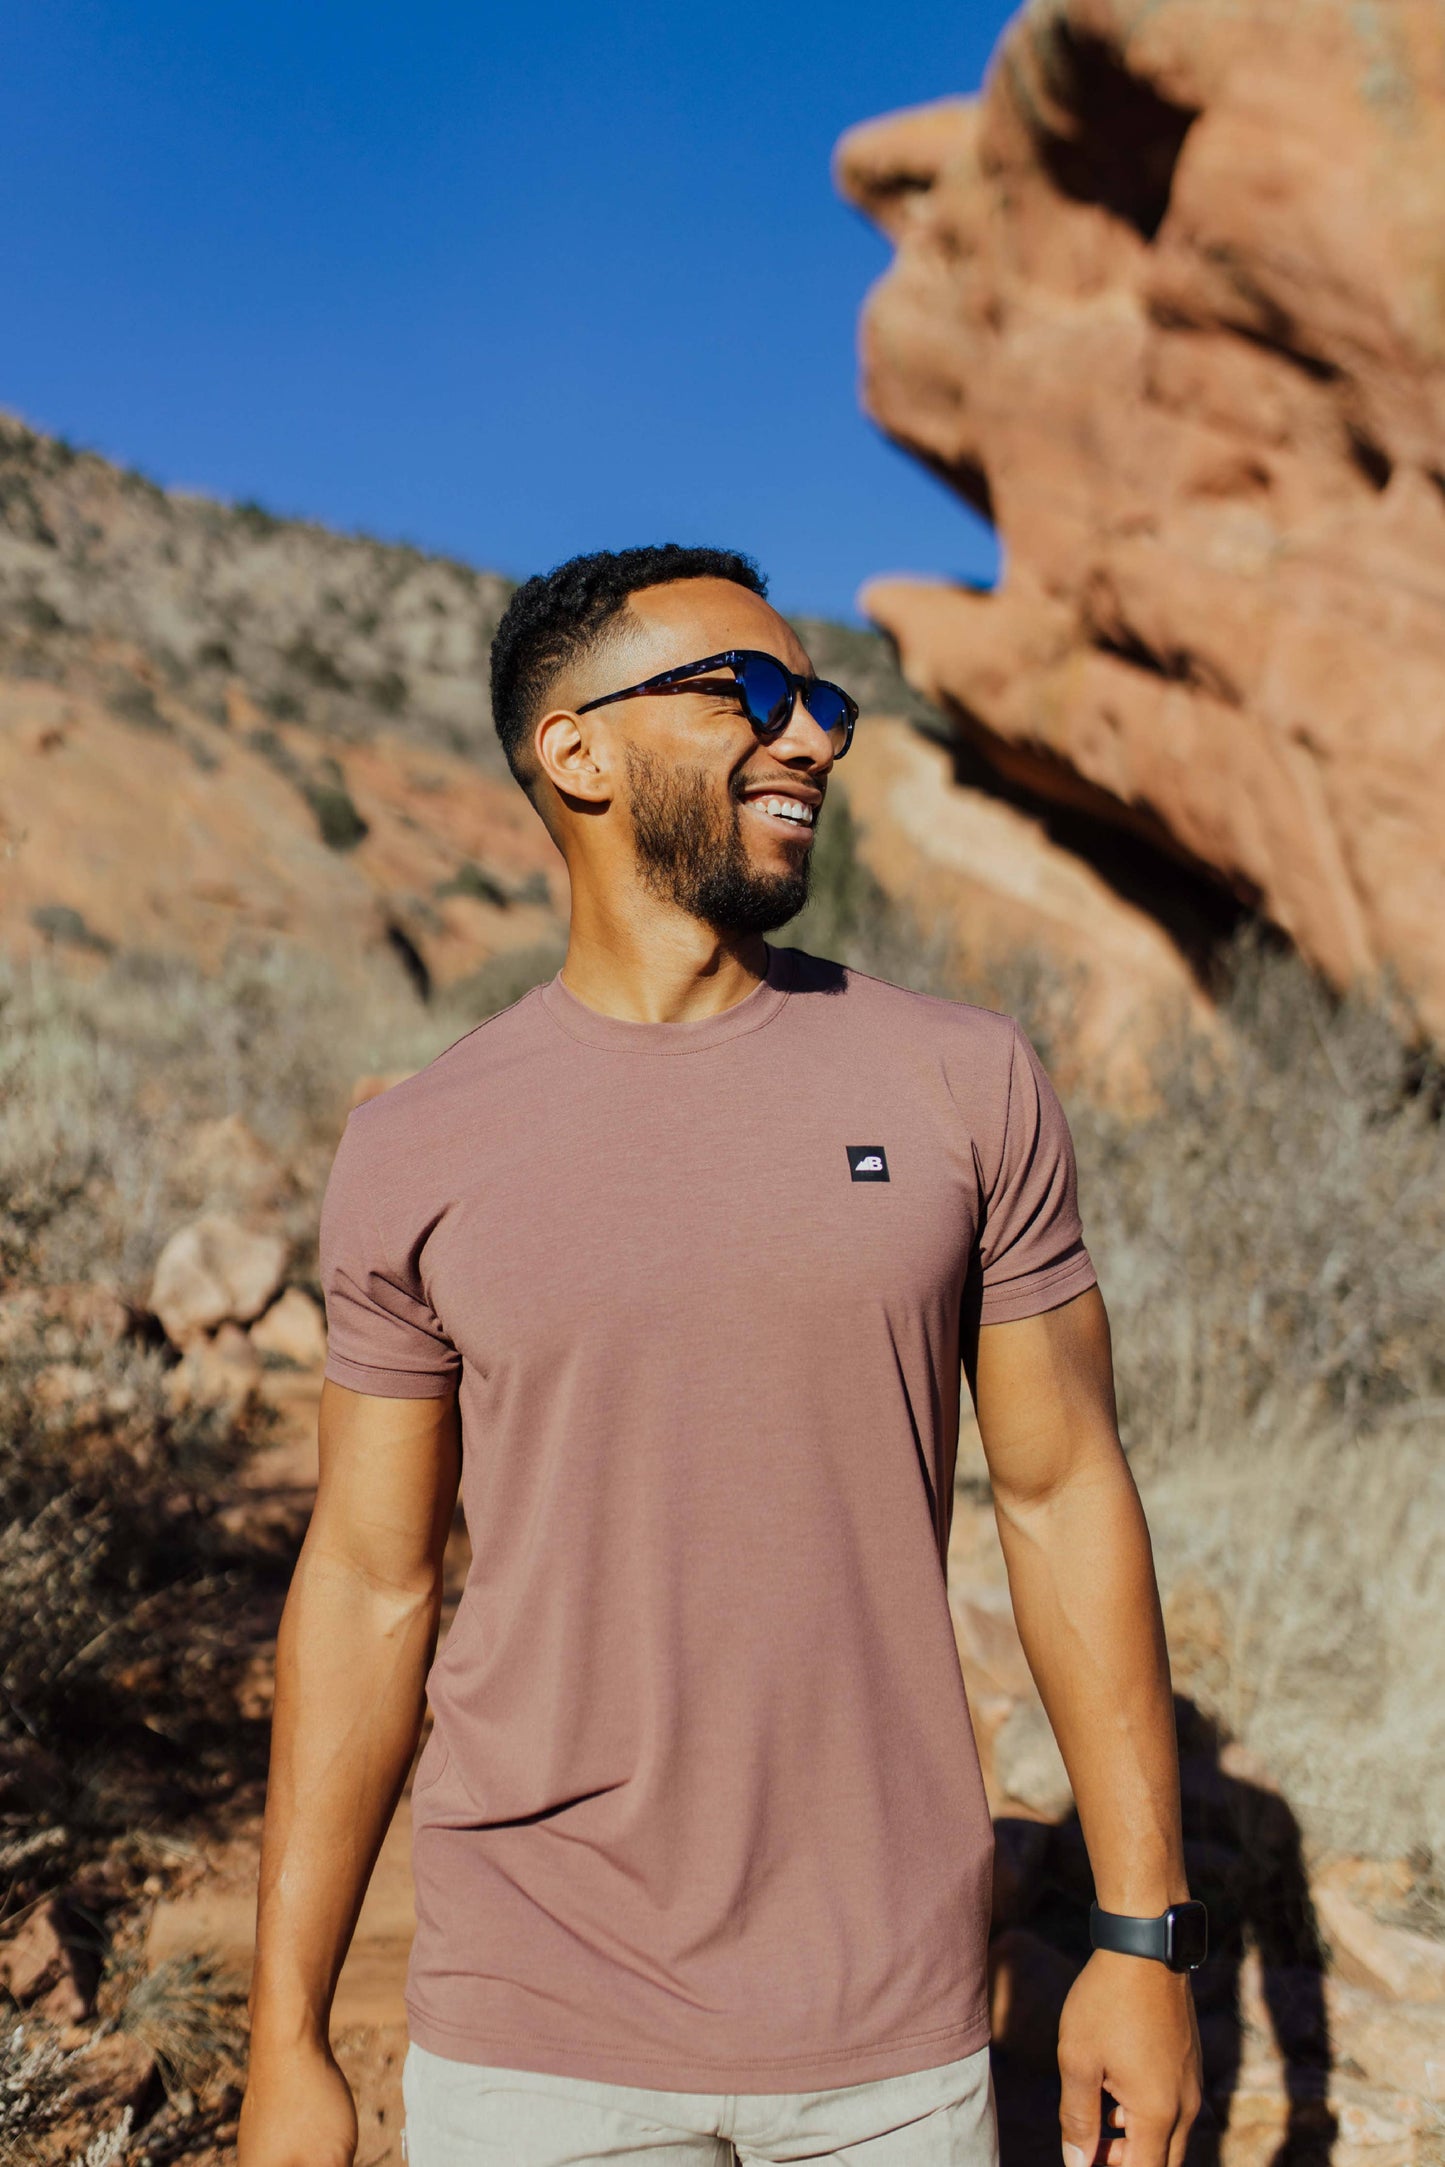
{"x":557,"y":616}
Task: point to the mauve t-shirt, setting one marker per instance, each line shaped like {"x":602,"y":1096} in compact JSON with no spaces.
{"x":701,"y":1807}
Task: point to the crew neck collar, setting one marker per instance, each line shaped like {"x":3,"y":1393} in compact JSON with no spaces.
{"x":622,"y":1035}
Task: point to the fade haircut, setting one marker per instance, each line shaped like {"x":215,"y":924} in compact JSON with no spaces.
{"x":560,"y":614}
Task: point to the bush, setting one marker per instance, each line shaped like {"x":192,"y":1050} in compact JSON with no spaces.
{"x":1272,"y":1239}
{"x":117,"y":1589}
{"x":100,"y":1079}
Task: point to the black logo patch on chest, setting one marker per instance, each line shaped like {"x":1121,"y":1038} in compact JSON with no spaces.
{"x":867,"y":1162}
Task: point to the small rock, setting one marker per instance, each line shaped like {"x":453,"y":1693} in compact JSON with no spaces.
{"x":294,"y":1328}
{"x":214,"y":1270}
{"x":1028,"y":1764}
{"x":118,"y":2070}
{"x":224,"y":1373}
{"x":1391,"y":1959}
{"x":38,"y":1965}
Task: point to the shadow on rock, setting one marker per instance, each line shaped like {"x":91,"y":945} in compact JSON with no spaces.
{"x":1260,"y":1997}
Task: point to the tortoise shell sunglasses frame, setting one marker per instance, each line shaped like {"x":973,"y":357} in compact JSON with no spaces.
{"x":767,"y":688}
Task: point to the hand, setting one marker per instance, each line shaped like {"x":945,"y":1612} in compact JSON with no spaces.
{"x":1128,"y":2027}
{"x":298,"y":2110}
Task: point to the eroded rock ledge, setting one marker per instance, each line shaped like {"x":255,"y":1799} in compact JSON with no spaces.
{"x":1168,"y":307}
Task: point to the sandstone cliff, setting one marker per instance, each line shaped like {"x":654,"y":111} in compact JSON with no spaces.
{"x":1168,"y":307}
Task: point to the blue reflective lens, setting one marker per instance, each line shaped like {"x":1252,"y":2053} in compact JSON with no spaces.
{"x":829,"y":709}
{"x":767,"y":695}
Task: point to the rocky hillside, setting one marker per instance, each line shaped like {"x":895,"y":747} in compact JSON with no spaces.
{"x":219,"y":729}
{"x":1167,"y":308}
{"x":347,"y":636}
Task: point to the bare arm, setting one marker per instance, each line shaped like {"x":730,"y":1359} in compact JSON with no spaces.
{"x":356,"y":1641}
{"x":1081,"y":1574}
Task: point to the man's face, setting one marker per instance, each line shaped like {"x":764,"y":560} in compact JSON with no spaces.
{"x":722,"y":824}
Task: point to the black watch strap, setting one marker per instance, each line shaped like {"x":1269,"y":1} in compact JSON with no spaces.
{"x":1179,"y":1937}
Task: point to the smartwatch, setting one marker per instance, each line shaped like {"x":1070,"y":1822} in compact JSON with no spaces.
{"x":1178,"y":1938}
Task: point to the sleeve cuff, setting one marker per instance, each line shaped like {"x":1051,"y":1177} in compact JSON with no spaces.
{"x":1039,"y":1291}
{"x":390,"y":1384}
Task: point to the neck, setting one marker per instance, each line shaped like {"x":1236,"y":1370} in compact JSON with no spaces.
{"x":653,"y":963}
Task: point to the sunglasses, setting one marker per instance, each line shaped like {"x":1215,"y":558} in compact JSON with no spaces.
{"x":767,"y":691}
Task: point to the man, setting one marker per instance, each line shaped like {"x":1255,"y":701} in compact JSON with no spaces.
{"x":674,"y":1263}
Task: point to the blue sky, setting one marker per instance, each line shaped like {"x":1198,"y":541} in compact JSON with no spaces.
{"x":507,"y":282}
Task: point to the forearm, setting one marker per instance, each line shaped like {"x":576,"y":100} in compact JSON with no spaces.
{"x":1081,"y":1574}
{"x":351,"y":1664}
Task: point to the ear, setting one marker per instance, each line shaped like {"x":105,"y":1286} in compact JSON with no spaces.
{"x":573,"y":755}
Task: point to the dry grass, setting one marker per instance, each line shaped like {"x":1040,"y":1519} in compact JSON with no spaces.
{"x":101,"y":1079}
{"x":37,"y":2082}
{"x":190,"y":2013}
{"x":1272,"y":1241}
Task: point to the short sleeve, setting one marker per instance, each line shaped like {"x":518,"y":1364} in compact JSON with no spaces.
{"x":1031,"y":1242}
{"x":382,"y":1335}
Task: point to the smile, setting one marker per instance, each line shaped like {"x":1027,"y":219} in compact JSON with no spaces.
{"x":782,"y":812}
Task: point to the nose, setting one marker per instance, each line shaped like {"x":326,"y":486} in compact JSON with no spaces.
{"x":803,"y":738}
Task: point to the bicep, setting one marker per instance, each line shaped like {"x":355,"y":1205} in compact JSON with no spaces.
{"x":388,"y":1482}
{"x":1043,"y":1389}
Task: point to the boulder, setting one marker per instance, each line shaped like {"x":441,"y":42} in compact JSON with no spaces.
{"x":212,"y":1270}
{"x":1166,"y":309}
{"x":293,"y":1328}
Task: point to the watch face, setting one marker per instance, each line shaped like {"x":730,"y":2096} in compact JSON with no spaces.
{"x":1188,"y":1936}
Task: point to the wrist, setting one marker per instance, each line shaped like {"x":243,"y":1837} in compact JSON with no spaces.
{"x":1177,"y":1937}
{"x":285,"y":2028}
{"x":1140,"y":1891}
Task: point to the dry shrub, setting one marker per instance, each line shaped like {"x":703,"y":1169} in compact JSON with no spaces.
{"x":101,"y":1077}
{"x":1322,"y":1546}
{"x":189,"y":2011}
{"x":37,"y":2084}
{"x":1271,"y":1244}
{"x":118,"y":1584}
{"x":1272,"y":1240}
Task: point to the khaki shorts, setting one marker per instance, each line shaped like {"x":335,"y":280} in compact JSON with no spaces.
{"x":459,"y":2114}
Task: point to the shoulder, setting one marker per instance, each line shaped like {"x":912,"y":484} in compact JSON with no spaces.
{"x":954,"y":1028}
{"x":471,"y":1080}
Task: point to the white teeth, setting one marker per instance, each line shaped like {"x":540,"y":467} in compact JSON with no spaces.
{"x":787,"y":809}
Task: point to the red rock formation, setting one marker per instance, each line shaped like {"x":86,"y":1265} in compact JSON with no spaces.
{"x":1168,"y":306}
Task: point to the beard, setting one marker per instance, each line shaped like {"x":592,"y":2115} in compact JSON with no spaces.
{"x":693,"y":852}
